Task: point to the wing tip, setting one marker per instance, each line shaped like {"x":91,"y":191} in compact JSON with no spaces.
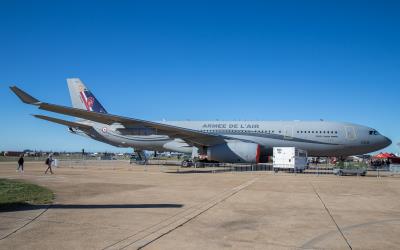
{"x":23,"y":96}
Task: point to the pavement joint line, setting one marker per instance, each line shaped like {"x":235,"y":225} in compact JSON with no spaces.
{"x":331,"y":216}
{"x":183,"y":217}
{"x":187,"y":220}
{"x":374,"y":190}
{"x":309,"y":244}
{"x":15,"y":217}
{"x":65,"y":222}
{"x":174,"y":215}
{"x":26,"y":224}
{"x":154,"y":225}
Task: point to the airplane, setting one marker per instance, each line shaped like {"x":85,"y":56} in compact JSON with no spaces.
{"x":221,"y":141}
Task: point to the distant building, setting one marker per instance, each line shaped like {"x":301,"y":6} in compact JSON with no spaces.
{"x":13,"y":153}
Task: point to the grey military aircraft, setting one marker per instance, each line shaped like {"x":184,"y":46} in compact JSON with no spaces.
{"x":222,"y":141}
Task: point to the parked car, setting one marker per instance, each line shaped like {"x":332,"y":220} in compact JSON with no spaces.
{"x":350,"y":171}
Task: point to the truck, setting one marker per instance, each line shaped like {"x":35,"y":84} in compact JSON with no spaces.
{"x":290,"y":159}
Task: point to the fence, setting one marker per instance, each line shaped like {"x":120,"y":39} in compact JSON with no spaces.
{"x":323,"y":169}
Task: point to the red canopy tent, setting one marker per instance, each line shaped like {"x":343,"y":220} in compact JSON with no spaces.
{"x":383,"y":156}
{"x":392,"y":157}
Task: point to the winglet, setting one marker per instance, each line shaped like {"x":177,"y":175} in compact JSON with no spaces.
{"x":25,"y":97}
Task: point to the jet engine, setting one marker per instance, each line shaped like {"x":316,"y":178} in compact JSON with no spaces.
{"x":234,"y":151}
{"x":71,"y":130}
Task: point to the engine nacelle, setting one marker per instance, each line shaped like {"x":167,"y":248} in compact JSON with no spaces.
{"x":234,"y":151}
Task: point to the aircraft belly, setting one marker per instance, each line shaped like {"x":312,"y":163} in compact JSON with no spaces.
{"x":314,"y":148}
{"x":178,"y":145}
{"x":147,"y":144}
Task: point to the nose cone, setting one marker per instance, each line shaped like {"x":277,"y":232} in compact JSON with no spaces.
{"x":380,"y":142}
{"x":387,"y":141}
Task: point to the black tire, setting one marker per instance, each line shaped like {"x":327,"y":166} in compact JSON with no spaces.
{"x":340,"y":173}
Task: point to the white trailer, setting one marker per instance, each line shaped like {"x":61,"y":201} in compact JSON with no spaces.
{"x":289,"y":159}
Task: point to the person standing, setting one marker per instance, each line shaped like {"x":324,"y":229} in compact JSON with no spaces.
{"x":49,"y":161}
{"x":21,"y":164}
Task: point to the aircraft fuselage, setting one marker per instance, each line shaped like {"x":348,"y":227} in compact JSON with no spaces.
{"x":318,"y":138}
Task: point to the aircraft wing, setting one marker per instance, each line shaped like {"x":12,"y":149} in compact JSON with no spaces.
{"x":80,"y":126}
{"x":192,"y":137}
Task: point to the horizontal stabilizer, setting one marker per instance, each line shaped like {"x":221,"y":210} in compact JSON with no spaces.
{"x":25,"y":97}
{"x":64,"y":122}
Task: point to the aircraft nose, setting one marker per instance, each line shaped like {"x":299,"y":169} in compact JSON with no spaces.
{"x":386,"y":141}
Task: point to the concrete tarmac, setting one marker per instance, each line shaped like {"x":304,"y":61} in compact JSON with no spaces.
{"x":114,"y":205}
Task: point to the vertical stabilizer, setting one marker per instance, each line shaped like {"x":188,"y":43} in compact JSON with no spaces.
{"x":82,"y":97}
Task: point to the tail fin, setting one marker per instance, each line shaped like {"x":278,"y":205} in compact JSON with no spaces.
{"x":82,"y":98}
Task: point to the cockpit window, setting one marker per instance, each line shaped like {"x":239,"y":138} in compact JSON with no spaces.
{"x":373,"y":132}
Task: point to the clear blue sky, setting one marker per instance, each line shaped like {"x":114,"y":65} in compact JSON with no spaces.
{"x":281,"y":60}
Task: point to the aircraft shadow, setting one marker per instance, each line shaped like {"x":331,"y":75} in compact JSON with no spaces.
{"x":10,"y":207}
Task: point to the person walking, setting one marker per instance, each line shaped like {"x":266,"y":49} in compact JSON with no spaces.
{"x":49,"y":161}
{"x":21,"y":164}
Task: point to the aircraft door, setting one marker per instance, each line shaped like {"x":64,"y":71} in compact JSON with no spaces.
{"x":288,"y":132}
{"x":350,"y":133}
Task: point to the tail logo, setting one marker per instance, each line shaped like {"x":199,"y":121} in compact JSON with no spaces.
{"x":90,"y":101}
